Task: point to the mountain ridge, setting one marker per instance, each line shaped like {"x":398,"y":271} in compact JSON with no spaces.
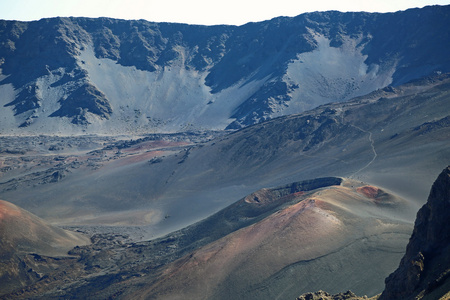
{"x":233,"y":76}
{"x":115,"y":128}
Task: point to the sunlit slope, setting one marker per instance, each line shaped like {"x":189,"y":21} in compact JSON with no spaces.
{"x":23,"y":232}
{"x":347,"y":236}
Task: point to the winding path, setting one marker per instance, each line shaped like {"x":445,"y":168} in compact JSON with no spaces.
{"x":373,"y":150}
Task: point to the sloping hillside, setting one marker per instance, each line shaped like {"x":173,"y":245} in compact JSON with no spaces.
{"x":394,"y":138}
{"x":333,"y":237}
{"x":423,"y":272}
{"x":23,"y":233}
{"x":272,"y":243}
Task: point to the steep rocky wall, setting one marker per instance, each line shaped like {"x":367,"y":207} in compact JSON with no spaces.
{"x":426,"y":264}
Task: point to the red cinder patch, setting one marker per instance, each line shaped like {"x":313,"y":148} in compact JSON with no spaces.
{"x":369,"y":191}
{"x":7,"y":210}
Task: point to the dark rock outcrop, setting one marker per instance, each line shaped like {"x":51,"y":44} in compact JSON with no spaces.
{"x":321,"y":295}
{"x":86,"y":98}
{"x":26,"y":100}
{"x":424,"y":271}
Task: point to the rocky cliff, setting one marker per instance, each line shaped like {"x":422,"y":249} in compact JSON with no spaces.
{"x":108,"y":75}
{"x":424,"y":271}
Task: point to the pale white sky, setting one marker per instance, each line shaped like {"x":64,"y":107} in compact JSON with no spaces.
{"x":206,"y":12}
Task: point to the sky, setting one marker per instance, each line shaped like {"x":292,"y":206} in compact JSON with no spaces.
{"x":204,"y":12}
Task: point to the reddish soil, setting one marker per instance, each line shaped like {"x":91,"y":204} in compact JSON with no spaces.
{"x":8,"y":210}
{"x":142,"y":156}
{"x":369,"y":191}
{"x":152,"y":145}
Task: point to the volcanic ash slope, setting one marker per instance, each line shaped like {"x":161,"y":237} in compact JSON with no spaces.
{"x":26,"y":233}
{"x":423,"y":272}
{"x":341,"y":236}
{"x":22,"y":233}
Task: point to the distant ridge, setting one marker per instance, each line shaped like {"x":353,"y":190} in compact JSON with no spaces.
{"x":83,"y":75}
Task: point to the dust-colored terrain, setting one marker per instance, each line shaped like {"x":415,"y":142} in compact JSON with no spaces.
{"x":424,"y":270}
{"x":153,"y":204}
{"x":396,"y":139}
{"x":23,"y":233}
{"x":263,"y":161}
{"x":334,"y":230}
{"x":297,"y":228}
